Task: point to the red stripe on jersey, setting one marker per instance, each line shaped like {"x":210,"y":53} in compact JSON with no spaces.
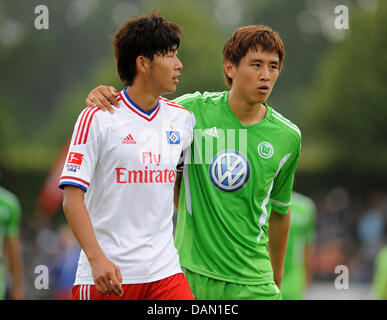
{"x":80,"y":123}
{"x":83,"y":126}
{"x":118,"y":96}
{"x":164,"y":99}
{"x":172,"y":104}
{"x":73,"y":178}
{"x":87,"y":120}
{"x":138,"y":113}
{"x":88,"y":125}
{"x":177,"y":106}
{"x":157,"y":111}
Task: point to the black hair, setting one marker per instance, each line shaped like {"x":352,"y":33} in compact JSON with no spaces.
{"x":143,"y":36}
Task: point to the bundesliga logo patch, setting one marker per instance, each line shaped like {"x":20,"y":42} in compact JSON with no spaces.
{"x":74,"y":161}
{"x":75,"y":158}
{"x":173,"y":137}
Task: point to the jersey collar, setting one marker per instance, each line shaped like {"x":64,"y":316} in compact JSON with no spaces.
{"x":149,"y":116}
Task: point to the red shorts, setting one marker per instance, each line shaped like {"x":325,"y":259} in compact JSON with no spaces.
{"x":172,"y":288}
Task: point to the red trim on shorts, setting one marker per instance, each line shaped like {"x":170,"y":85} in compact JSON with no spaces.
{"x":174,"y":287}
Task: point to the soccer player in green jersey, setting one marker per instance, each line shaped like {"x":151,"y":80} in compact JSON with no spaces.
{"x":379,"y":283}
{"x":9,"y":240}
{"x":298,"y":259}
{"x":238,"y":175}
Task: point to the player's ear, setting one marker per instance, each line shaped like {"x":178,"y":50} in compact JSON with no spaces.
{"x":143,"y":64}
{"x":229,"y":69}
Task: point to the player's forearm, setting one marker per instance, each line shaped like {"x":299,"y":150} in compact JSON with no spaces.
{"x":278,"y":239}
{"x":80,"y":223}
{"x":15,"y":264}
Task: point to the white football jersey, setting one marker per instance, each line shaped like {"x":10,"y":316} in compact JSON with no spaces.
{"x":126,"y":163}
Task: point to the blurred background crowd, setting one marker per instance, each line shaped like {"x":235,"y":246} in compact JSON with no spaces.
{"x":333,"y":86}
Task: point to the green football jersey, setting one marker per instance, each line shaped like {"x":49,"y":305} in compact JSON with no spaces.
{"x":301,"y":234}
{"x":9,"y":225}
{"x":379,"y":283}
{"x":233,"y":177}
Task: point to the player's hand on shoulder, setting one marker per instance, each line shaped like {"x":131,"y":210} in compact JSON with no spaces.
{"x":107,"y":276}
{"x":103,"y":97}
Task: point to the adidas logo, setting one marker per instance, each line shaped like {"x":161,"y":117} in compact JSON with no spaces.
{"x":211,"y":132}
{"x":128,"y":140}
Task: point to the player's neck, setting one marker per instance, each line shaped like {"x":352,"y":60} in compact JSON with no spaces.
{"x":246,"y":112}
{"x":143,"y":97}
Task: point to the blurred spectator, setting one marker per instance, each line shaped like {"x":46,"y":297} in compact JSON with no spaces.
{"x":371,"y":231}
{"x":10,"y":212}
{"x":331,"y":230}
{"x":328,"y":257}
{"x":67,"y":263}
{"x":299,"y":254}
{"x":379,"y":285}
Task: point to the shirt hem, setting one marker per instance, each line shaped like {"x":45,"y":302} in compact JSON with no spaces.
{"x":229,"y":279}
{"x":128,"y":280}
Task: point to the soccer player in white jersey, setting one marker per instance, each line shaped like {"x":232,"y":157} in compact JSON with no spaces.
{"x":120,"y":171}
{"x":237,"y":182}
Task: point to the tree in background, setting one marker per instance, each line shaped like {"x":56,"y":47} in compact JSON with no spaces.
{"x":344,"y":111}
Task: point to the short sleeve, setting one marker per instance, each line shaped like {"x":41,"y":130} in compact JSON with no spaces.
{"x":188,"y":131}
{"x":83,"y":152}
{"x":281,"y":195}
{"x":187,"y":140}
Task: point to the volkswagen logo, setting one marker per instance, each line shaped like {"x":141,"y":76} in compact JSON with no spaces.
{"x":229,"y":170}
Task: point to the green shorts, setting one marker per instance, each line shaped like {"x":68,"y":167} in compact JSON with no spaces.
{"x":205,"y":288}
